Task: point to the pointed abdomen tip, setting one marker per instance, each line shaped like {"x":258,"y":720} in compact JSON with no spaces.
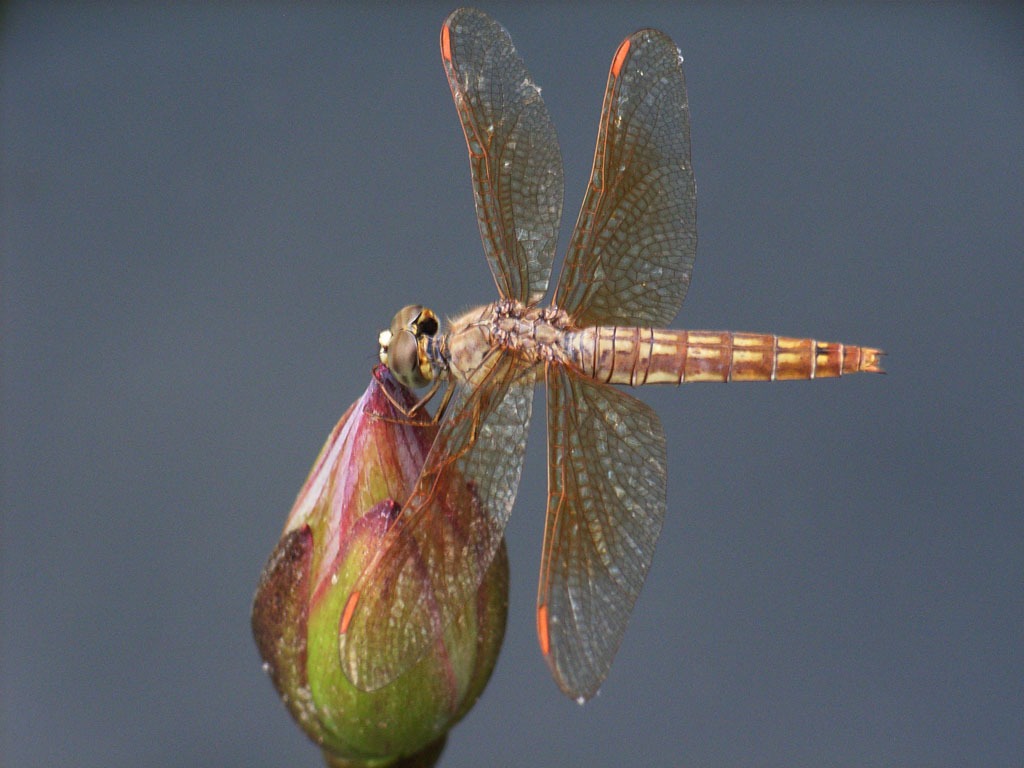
{"x":870,"y":360}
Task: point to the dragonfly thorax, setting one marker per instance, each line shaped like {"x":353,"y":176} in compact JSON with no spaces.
{"x":404,"y":347}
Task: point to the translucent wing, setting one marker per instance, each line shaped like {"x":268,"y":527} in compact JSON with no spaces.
{"x":437,"y":551}
{"x":513,"y":152}
{"x":606,"y":504}
{"x":632,"y":252}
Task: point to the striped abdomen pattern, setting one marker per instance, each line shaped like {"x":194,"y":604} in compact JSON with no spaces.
{"x":637,"y":356}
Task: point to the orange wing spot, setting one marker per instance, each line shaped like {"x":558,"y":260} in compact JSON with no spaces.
{"x":542,"y":629}
{"x":446,"y":43}
{"x":350,"y":608}
{"x":620,"y":56}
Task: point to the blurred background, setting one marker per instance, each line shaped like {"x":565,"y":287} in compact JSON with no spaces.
{"x":209,"y":211}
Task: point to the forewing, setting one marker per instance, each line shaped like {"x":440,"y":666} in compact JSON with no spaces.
{"x":513,"y":152}
{"x":606,"y":504}
{"x":437,"y":551}
{"x":632,"y":252}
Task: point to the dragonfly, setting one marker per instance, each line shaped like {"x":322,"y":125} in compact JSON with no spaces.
{"x":624,"y":278}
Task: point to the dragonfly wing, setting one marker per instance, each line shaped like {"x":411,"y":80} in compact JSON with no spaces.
{"x":606,"y":504}
{"x":632,"y":252}
{"x":434,"y":557}
{"x":513,"y":152}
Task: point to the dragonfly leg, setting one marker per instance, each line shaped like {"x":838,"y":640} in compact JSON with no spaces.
{"x":439,"y":413}
{"x":427,"y":398}
{"x":414,"y":411}
{"x":409,"y":413}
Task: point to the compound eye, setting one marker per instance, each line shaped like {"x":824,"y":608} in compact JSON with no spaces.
{"x":404,"y":359}
{"x":405,"y":318}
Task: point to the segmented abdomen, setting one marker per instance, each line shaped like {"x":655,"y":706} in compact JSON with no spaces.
{"x":638,"y":356}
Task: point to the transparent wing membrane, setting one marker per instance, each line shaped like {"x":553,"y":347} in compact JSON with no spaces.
{"x":606,"y":504}
{"x":437,"y":551}
{"x":513,"y":153}
{"x":632,"y":252}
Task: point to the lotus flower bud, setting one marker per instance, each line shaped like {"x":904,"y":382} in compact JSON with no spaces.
{"x":360,"y":480}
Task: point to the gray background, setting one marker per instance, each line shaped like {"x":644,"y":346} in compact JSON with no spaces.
{"x":209,"y":212}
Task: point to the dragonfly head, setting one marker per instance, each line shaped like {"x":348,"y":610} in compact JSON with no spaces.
{"x":403,"y":347}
